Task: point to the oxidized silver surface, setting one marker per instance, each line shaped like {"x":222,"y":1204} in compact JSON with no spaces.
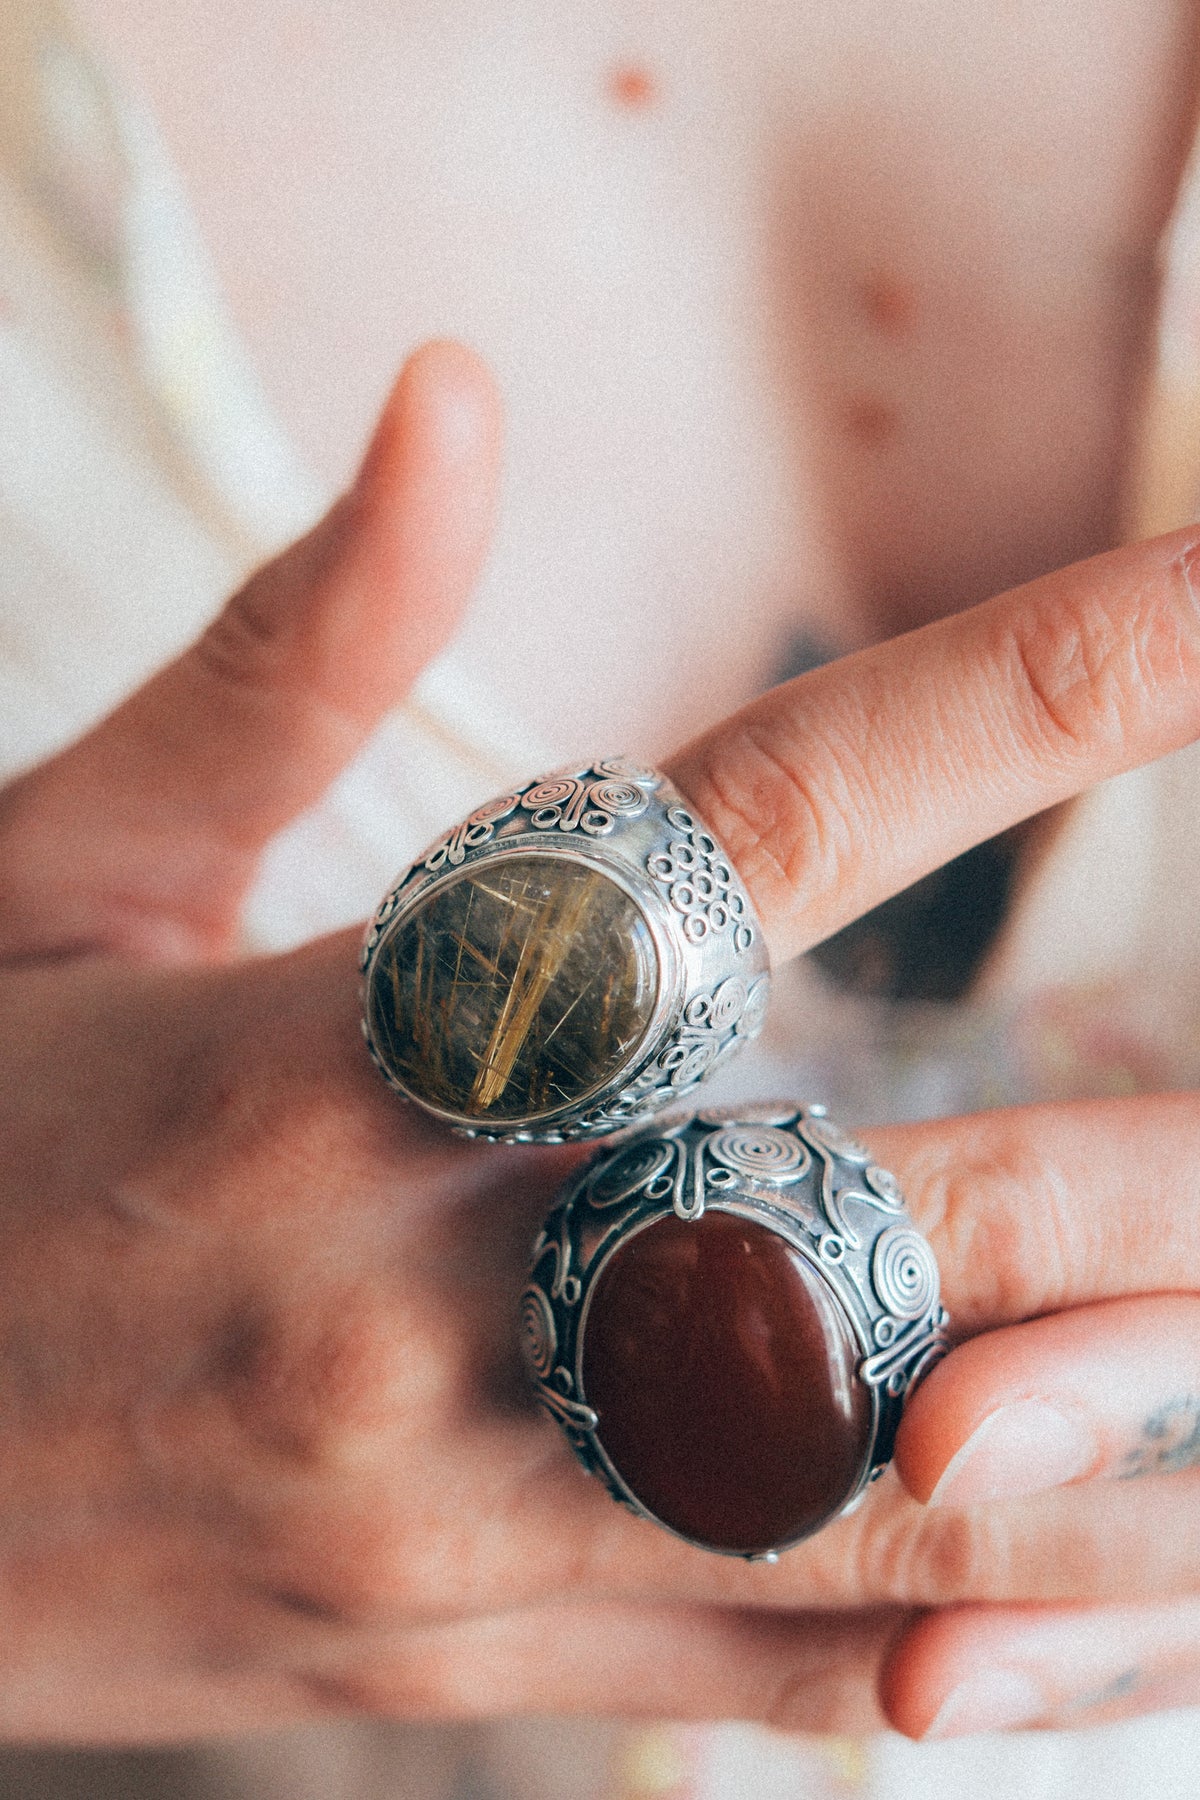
{"x":788,"y":1168}
{"x":633,"y":825}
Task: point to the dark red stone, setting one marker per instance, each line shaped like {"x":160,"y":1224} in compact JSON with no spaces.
{"x":722,"y":1371}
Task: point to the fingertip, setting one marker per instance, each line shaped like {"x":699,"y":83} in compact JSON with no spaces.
{"x":959,"y":1671}
{"x":996,"y":1420}
{"x":423,"y":508}
{"x":445,"y":402}
{"x":907,"y":1699}
{"x":938,"y":1419}
{"x":946,"y":1673}
{"x":454,"y":378}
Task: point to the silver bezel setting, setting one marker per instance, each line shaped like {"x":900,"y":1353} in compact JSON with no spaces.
{"x":713,"y":975}
{"x":791,"y":1171}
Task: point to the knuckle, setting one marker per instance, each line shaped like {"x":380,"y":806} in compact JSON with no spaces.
{"x":789,"y":817}
{"x":1094,"y":669}
{"x":364,"y":1569}
{"x":822,"y":1678}
{"x":425,"y":1679}
{"x":798,"y":1703}
{"x":951,"y":1556}
{"x":277,"y":1138}
{"x":908,"y":1555}
{"x":242,"y":647}
{"x":250,"y":643}
{"x":818,"y":1702}
{"x":358,"y":1564}
{"x":405,"y":1689}
{"x":1001,"y":1223}
{"x":329,"y":1385}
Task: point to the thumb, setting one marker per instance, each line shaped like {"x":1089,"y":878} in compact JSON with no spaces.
{"x":144,"y":836}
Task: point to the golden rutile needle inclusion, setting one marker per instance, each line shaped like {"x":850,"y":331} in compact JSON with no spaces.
{"x":518,"y":988}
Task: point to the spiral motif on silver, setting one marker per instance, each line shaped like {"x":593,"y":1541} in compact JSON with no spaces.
{"x":760,"y":1151}
{"x":904,"y":1273}
{"x":685,"y":1063}
{"x":539,"y":1337}
{"x":754,"y":1012}
{"x":631,"y":1170}
{"x":832,"y":1137}
{"x":491,"y":810}
{"x":884,"y":1183}
{"x":617,"y":796}
{"x":728,"y":1003}
{"x":555,"y":791}
{"x":619,"y":768}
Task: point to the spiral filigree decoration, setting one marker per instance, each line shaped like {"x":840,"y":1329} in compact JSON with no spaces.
{"x":684,"y":1063}
{"x":555,"y":791}
{"x":761,"y":1151}
{"x":832,"y":1137}
{"x":572,"y":802}
{"x":904,"y":1273}
{"x":492,"y":810}
{"x":728,"y":1003}
{"x":619,"y":768}
{"x":616,"y":797}
{"x":628,"y":1173}
{"x":539,"y":1337}
{"x":883,"y":1183}
{"x":754,"y":1012}
{"x":474,"y":831}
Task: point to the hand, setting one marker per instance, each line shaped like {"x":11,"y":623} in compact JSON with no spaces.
{"x":267,"y":1449}
{"x":1048,"y":1211}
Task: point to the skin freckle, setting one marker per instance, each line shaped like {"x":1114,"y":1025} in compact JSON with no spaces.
{"x":631,"y":86}
{"x":890,"y":303}
{"x":870,"y":420}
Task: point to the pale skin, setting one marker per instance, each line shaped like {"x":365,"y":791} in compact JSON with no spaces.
{"x":268,"y":1453}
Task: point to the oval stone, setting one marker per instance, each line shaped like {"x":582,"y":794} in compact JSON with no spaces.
{"x":723,"y":1373}
{"x":520,"y":987}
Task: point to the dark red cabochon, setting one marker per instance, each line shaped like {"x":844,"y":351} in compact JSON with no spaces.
{"x":722,"y":1371}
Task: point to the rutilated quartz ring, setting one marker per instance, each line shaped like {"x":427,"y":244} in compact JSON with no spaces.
{"x":724,"y":1316}
{"x":568,"y":960}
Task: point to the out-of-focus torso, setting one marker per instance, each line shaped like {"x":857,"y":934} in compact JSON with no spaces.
{"x":811,"y":320}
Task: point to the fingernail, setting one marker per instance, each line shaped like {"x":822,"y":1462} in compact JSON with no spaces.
{"x":995,"y":1700}
{"x":1019,"y":1449}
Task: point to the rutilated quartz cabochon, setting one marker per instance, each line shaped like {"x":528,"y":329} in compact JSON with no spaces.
{"x":519,"y":987}
{"x":566,"y":961}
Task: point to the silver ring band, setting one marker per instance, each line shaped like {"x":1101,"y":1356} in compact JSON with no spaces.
{"x":571,"y":958}
{"x":724,"y":1316}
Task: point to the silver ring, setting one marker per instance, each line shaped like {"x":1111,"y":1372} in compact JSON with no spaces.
{"x":724,"y":1316}
{"x":571,"y":958}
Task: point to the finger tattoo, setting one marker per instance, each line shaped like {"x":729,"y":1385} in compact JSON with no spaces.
{"x":1170,"y":1440}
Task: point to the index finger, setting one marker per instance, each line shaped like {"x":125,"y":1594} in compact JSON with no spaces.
{"x":845,"y":785}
